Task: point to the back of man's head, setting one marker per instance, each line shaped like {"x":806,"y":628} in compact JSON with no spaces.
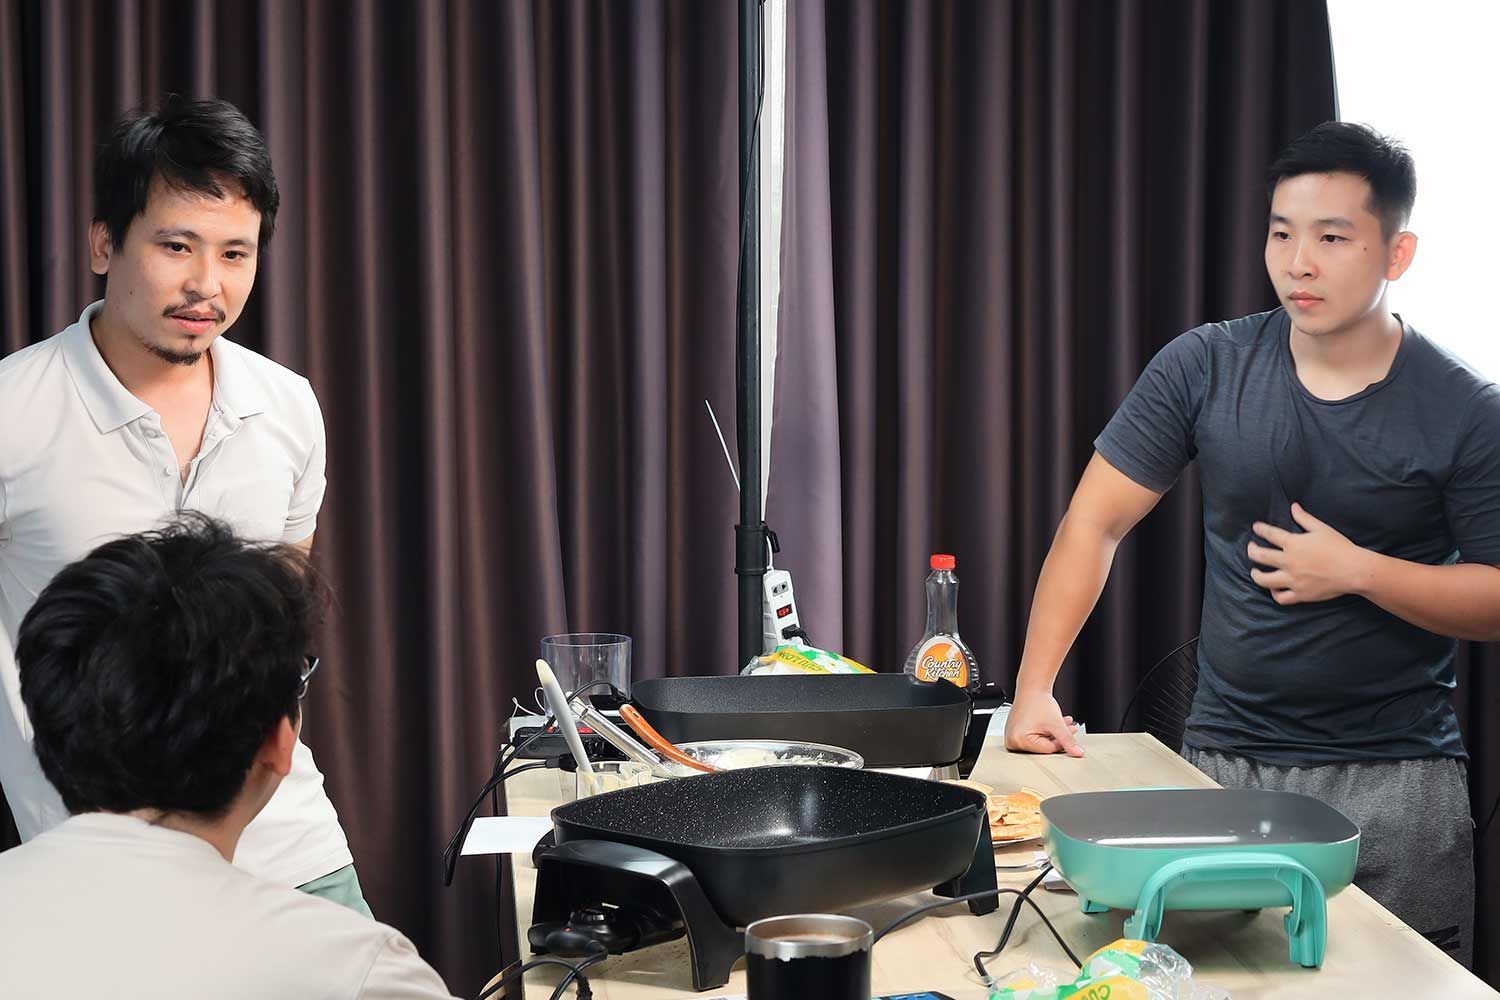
{"x":155,"y":668}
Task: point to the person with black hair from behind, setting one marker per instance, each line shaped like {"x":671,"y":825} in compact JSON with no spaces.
{"x":143,"y":408}
{"x":164,"y":675}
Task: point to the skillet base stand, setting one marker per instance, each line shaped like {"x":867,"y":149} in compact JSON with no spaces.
{"x":979,"y":878}
{"x":624,"y":897}
{"x":578,"y":883}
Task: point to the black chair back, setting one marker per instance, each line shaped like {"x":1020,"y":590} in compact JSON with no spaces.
{"x":1164,"y":696}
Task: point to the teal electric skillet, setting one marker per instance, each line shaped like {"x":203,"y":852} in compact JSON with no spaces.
{"x":1151,"y":850}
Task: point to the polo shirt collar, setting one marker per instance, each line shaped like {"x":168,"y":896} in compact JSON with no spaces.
{"x":237,"y":392}
{"x":109,"y":403}
{"x":112,"y":406}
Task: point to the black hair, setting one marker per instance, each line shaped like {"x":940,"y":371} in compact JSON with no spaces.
{"x":1347,"y":148}
{"x":191,"y":146}
{"x":154,"y":668}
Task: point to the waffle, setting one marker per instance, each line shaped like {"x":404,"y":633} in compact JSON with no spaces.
{"x":1014,"y":816}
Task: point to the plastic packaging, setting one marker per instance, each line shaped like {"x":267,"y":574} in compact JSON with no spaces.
{"x":1122,"y":970}
{"x":797,"y":658}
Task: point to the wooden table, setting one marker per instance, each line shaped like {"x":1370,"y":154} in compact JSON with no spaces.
{"x":1370,"y":953}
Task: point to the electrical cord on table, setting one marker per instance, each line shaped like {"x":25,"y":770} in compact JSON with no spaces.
{"x":584,"y":992}
{"x":936,"y":904}
{"x":575,"y":971}
{"x":1022,"y":896}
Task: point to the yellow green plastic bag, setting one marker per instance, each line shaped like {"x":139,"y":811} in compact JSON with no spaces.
{"x":800,"y":659}
{"x":1121,"y":970}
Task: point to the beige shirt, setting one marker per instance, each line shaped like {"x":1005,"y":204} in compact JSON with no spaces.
{"x":83,"y":461}
{"x":110,"y":906}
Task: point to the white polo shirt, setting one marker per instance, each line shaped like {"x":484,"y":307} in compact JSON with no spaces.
{"x":110,"y":906}
{"x":83,"y":461}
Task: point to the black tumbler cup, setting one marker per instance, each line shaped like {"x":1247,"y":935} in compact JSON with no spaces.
{"x":808,"y":955}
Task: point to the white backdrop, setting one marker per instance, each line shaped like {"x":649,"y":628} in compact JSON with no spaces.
{"x":1427,"y":73}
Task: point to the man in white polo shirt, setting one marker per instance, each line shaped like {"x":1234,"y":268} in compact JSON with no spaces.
{"x":142,"y":409}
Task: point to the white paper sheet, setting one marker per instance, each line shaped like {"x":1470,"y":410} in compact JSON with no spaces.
{"x":506,"y":834}
{"x":907,"y":772}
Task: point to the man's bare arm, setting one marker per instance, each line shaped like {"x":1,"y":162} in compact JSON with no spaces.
{"x":1105,"y":506}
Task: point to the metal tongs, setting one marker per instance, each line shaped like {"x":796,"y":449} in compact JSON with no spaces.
{"x":621,"y":740}
{"x":570,"y":710}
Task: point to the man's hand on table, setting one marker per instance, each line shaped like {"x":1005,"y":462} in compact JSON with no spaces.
{"x":1036,"y":724}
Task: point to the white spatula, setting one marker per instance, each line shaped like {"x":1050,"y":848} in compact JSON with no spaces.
{"x":558,"y":702}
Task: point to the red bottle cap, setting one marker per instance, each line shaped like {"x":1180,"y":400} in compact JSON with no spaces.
{"x":941,"y":561}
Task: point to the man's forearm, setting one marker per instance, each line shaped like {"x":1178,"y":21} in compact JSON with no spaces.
{"x":1072,"y":578}
{"x":1460,"y":600}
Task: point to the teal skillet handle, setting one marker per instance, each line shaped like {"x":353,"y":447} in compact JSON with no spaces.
{"x":1306,"y":925}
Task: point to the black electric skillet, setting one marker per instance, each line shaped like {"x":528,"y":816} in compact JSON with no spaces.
{"x":891,"y":720}
{"x":794,"y":839}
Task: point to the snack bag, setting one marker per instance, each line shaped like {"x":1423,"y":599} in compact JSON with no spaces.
{"x":796,"y":658}
{"x":1121,"y":970}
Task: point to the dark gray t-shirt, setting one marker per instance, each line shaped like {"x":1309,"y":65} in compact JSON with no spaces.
{"x":1409,"y":467}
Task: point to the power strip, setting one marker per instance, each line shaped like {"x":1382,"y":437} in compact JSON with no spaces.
{"x":779,"y":621}
{"x":525,"y":720}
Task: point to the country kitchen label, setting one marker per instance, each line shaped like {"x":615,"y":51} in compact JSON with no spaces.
{"x":941,"y":659}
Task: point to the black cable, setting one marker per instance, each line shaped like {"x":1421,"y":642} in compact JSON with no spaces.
{"x":575,"y":971}
{"x":1010,"y":922}
{"x":1024,"y":896}
{"x":1015,"y":912}
{"x":499,"y":858}
{"x":936,"y":904}
{"x":498,"y":777}
{"x":451,"y":852}
{"x":522,"y":970}
{"x":799,"y":633}
{"x":979,"y":965}
{"x":583,"y":984}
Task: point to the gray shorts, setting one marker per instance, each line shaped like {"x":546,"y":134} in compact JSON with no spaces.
{"x":1422,"y":871}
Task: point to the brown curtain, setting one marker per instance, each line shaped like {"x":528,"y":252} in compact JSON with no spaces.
{"x":506,"y":259}
{"x":996,"y":213}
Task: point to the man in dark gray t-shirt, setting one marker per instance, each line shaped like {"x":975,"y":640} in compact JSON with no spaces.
{"x":1351,"y":506}
{"x":1408,"y":466}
